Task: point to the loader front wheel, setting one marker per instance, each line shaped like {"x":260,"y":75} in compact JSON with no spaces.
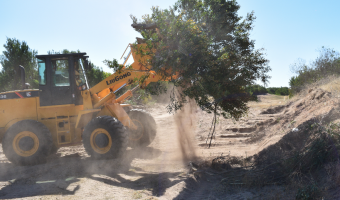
{"x":27,"y":142}
{"x":104,"y":137}
{"x":146,"y":128}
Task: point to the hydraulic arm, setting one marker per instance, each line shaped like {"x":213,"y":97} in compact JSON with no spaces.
{"x":102,"y":96}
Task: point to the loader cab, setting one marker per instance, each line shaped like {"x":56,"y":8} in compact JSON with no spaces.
{"x":62,"y":78}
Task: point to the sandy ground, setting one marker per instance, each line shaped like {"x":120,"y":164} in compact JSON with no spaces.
{"x":158,"y":171}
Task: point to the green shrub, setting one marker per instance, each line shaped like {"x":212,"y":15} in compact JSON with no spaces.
{"x":256,"y":89}
{"x":278,"y":90}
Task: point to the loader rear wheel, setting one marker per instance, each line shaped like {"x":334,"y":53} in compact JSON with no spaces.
{"x":105,"y":137}
{"x":146,"y":128}
{"x":27,"y":142}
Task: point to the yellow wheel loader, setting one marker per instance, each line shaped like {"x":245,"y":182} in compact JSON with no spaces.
{"x":64,"y":111}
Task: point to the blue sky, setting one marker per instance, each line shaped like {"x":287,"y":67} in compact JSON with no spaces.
{"x":287,"y":30}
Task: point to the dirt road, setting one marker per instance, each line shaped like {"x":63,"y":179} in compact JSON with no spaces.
{"x":154,"y":172}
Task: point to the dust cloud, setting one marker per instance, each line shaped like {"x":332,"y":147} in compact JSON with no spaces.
{"x":185,"y":122}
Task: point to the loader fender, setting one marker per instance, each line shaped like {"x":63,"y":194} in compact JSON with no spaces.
{"x":13,"y":121}
{"x":8,"y":125}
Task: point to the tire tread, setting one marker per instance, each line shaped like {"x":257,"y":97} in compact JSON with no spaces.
{"x":119,"y":133}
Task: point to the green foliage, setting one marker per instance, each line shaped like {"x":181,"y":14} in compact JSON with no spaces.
{"x":113,"y":65}
{"x":207,"y":45}
{"x":295,"y":82}
{"x":256,"y":89}
{"x":17,"y":53}
{"x":159,"y":87}
{"x":95,"y":75}
{"x":328,"y":63}
{"x":278,"y":90}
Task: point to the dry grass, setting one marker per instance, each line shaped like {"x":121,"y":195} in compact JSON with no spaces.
{"x":269,"y":100}
{"x":332,"y":85}
{"x":329,"y":84}
{"x":137,"y":195}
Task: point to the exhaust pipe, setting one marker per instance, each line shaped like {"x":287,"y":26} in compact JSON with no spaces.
{"x":22,"y":72}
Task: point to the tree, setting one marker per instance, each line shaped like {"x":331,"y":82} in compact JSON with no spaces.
{"x":207,"y":45}
{"x":95,"y":75}
{"x":256,"y":89}
{"x":278,"y":90}
{"x":17,"y":53}
{"x":295,"y":84}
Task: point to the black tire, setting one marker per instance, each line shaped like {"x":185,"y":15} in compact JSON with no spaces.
{"x":97,"y":136}
{"x":27,"y":142}
{"x":146,"y":131}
